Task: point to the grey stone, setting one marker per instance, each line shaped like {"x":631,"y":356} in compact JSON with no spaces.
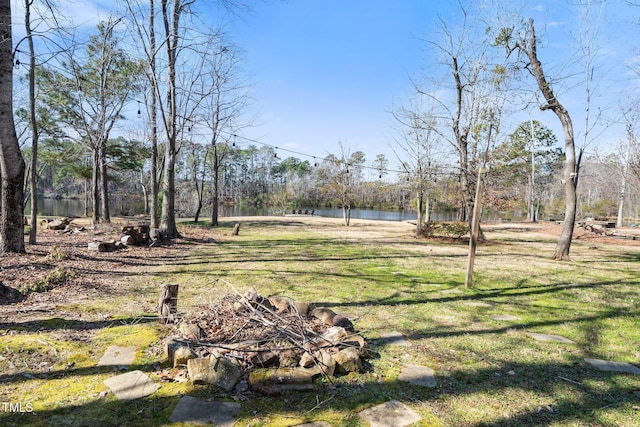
{"x":477,"y":304}
{"x":393,"y":338}
{"x":198,"y":411}
{"x":637,"y":393}
{"x":132,"y":385}
{"x":215,"y":370}
{"x":316,"y":424}
{"x":502,"y":317}
{"x":605,"y":365}
{"x":452,"y":291}
{"x":178,"y":353}
{"x":348,"y":360}
{"x":117,"y":356}
{"x":549,"y":337}
{"x":389,"y":414}
{"x":418,"y":375}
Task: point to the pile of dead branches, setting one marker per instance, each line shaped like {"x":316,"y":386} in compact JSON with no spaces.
{"x":268,"y":332}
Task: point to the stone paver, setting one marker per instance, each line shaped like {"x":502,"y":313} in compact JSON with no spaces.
{"x":477,"y":304}
{"x":393,"y":338}
{"x":451,"y":291}
{"x":131,"y":385}
{"x":549,"y":337}
{"x":198,"y":411}
{"x":504,"y":317}
{"x":418,"y":375}
{"x":316,"y":424}
{"x":117,"y":356}
{"x":605,"y":365}
{"x":389,"y":414}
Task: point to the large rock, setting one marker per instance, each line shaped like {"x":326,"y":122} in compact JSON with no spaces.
{"x":179,"y":353}
{"x":214,"y":370}
{"x":348,"y":360}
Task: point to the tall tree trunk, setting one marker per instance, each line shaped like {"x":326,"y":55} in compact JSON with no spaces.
{"x":35,"y":132}
{"x":153,"y":120}
{"x":171,"y":26}
{"x":104,"y":184}
{"x":216,"y":186}
{"x":95,"y":188}
{"x":12,"y":165}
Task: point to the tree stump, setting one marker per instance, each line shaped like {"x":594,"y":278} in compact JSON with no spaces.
{"x":236,"y":230}
{"x":168,"y":304}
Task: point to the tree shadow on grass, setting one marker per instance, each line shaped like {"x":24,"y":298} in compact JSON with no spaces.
{"x":560,"y":393}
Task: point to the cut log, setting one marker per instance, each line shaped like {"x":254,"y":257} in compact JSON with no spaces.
{"x":56,"y":224}
{"x":128,"y":240}
{"x":168,"y":304}
{"x":102,"y":246}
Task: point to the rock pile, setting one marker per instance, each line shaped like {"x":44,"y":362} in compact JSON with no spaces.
{"x":266,"y":344}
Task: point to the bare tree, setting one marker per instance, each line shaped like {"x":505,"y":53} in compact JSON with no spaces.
{"x":418,"y":140}
{"x":528,"y":46}
{"x":12,"y":165}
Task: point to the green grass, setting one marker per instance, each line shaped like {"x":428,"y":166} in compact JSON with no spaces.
{"x":489,"y":372}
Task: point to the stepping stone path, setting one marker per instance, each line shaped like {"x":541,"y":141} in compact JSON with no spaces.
{"x":131,"y":385}
{"x":390,"y":414}
{"x":198,"y":411}
{"x":418,"y":375}
{"x":504,"y":317}
{"x":605,"y":365}
{"x":117,"y":356}
{"x":393,"y":338}
{"x":549,"y":337}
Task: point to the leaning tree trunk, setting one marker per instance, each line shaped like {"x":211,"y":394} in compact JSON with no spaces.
{"x":12,"y":166}
{"x":570,"y":172}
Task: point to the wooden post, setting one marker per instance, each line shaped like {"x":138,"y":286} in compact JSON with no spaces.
{"x":168,"y":304}
{"x":236,"y":230}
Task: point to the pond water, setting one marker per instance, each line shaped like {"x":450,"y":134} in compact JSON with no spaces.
{"x":75,"y":208}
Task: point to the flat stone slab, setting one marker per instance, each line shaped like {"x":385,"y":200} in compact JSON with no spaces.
{"x":451,"y":291}
{"x":117,"y":356}
{"x":502,"y":317}
{"x":549,"y":337}
{"x":418,"y":375}
{"x":316,"y":424}
{"x":198,"y":411}
{"x":393,"y":338}
{"x":131,"y":385}
{"x":389,"y":414}
{"x":477,"y":304}
{"x":605,"y":365}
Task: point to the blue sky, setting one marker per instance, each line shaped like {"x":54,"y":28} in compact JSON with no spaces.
{"x":329,"y":71}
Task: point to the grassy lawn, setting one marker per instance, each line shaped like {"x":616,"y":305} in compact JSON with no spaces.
{"x":489,"y":372}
